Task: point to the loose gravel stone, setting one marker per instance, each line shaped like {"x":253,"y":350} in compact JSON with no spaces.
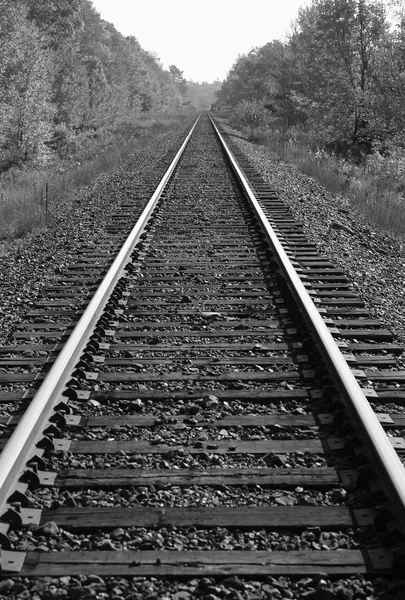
{"x":372,"y":259}
{"x":188,"y":497}
{"x":207,"y":588}
{"x":351,"y":244}
{"x":191,"y":538}
{"x":28,"y":265}
{"x":180,"y":459}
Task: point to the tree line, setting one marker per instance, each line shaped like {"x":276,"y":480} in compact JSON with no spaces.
{"x":337,"y":83}
{"x":65,"y":73}
{"x":202,"y":95}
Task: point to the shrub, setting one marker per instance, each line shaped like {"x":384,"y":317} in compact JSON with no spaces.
{"x":253,"y":114}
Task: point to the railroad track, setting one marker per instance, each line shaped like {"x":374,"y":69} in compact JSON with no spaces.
{"x":198,"y":416}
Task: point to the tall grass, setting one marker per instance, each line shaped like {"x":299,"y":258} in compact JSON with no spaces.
{"x":375,"y":188}
{"x":30,"y":197}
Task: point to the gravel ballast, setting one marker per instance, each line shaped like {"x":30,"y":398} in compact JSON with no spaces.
{"x":25,"y":282}
{"x":86,"y":587}
{"x":373,"y":261}
{"x":29,"y":264}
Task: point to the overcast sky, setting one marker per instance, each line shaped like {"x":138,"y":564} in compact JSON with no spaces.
{"x":203,"y":39}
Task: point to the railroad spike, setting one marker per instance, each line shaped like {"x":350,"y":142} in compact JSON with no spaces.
{"x":81,"y":366}
{"x":394,"y":538}
{"x":46,"y":443}
{"x":103,"y":322}
{"x":377,"y":497}
{"x":37,"y":462}
{"x":19,"y":498}
{"x":13,"y":517}
{"x":95,"y":338}
{"x":58,"y":418}
{"x":53,"y":431}
{"x":5,"y":543}
{"x":340,"y":418}
{"x":360,"y":460}
{"x":31,"y":477}
{"x":79,"y":373}
{"x":62,"y":407}
{"x":99,"y":331}
{"x":92,"y":347}
{"x":76,"y":393}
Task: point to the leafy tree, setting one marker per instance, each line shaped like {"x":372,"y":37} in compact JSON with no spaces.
{"x":263,"y":75}
{"x":64,"y":72}
{"x":253,"y":113}
{"x":178,"y":78}
{"x":332,"y":79}
{"x":25,"y":110}
{"x":57,"y":20}
{"x":71,"y":90}
{"x":389,"y":84}
{"x":335,"y":47}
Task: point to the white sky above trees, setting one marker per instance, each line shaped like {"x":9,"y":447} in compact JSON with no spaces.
{"x":203,"y":39}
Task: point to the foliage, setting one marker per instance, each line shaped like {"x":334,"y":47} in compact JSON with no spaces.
{"x":178,"y":79}
{"x":252,"y":114}
{"x":335,"y":46}
{"x":339,"y":79}
{"x":336,"y":91}
{"x":25,"y":110}
{"x":261,"y":75}
{"x":202,"y":95}
{"x":23,"y":192}
{"x":65,"y":72}
{"x":376,"y":187}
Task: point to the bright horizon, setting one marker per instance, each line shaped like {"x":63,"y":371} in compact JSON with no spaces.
{"x":202,"y":40}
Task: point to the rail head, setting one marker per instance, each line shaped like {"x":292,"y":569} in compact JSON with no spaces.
{"x":14,"y":456}
{"x":384,"y":457}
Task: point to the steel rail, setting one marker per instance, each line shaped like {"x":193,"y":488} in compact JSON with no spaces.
{"x":383,"y":456}
{"x":16,"y":452}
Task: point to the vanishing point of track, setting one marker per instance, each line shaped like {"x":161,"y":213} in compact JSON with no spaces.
{"x":209,"y":373}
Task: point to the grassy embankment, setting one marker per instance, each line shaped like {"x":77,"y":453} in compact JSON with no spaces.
{"x":375,"y":188}
{"x":23,"y":204}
